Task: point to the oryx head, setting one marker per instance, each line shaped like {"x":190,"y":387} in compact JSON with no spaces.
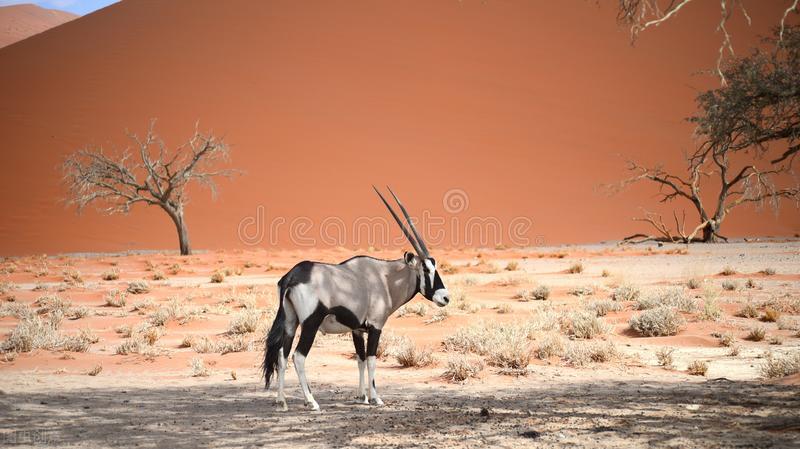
{"x":430,"y":283}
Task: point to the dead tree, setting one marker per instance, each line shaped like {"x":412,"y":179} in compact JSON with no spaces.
{"x":641,"y":15}
{"x":750,"y":135}
{"x":146,"y":173}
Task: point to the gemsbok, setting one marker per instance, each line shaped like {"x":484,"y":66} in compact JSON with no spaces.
{"x":357,"y":296}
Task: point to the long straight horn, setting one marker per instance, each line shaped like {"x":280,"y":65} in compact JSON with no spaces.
{"x":397,"y":219}
{"x":411,"y":225}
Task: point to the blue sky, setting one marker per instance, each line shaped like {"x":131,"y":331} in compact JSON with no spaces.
{"x":80,"y":7}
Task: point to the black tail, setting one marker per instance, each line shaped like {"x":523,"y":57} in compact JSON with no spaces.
{"x":274,"y":341}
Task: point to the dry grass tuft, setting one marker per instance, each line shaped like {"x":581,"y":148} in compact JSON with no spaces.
{"x":440,"y":314}
{"x":460,"y":301}
{"x":138,"y":287}
{"x":198,"y":368}
{"x":504,"y":308}
{"x":540,"y":293}
{"x":601,"y":308}
{"x":727,"y":339}
{"x":72,"y":276}
{"x":697,"y":368}
{"x":668,"y":297}
{"x":730,"y":285}
{"x":626,"y":292}
{"x":512,"y":266}
{"x":770,"y":315}
{"x":115,"y":298}
{"x":748,"y":310}
{"x":244,"y":322}
{"x":158,"y":275}
{"x":694,"y":283}
{"x":711,"y":310}
{"x":410,"y":355}
{"x":551,"y":344}
{"x":768,"y":271}
{"x":728,"y":271}
{"x":96,"y":370}
{"x":664,"y":357}
{"x":580,"y":354}
{"x":34,"y":332}
{"x":582,"y":290}
{"x":657,"y":322}
{"x":460,"y":368}
{"x":416,"y":308}
{"x":52,"y":304}
{"x":776,"y":367}
{"x":576,"y":268}
{"x":218,"y":277}
{"x":110,"y":275}
{"x":757,"y":334}
{"x":584,"y":325}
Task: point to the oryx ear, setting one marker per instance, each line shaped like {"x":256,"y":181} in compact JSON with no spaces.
{"x":410,"y":258}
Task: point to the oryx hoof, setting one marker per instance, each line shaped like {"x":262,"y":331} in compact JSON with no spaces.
{"x":376,"y":401}
{"x":282,"y":407}
{"x":362,"y":399}
{"x":313,"y":405}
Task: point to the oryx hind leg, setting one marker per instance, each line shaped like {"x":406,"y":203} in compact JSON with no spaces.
{"x":283,"y":358}
{"x":308,"y":331}
{"x":361,"y":356}
{"x":373,"y":338}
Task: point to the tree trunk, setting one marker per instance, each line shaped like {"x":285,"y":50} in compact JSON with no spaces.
{"x":180,"y":226}
{"x":710,"y":232}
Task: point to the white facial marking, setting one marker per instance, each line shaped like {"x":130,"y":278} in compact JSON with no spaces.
{"x":439,"y":295}
{"x":431,"y":270}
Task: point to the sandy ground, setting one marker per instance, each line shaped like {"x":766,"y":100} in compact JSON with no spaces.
{"x":152,"y":400}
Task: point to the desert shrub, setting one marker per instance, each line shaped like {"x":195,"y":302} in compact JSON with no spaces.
{"x":131,"y":345}
{"x":664,"y":357}
{"x":79,"y":312}
{"x":748,"y":310}
{"x":775,"y":367}
{"x":445,"y":267}
{"x":124,"y":330}
{"x":697,"y":368}
{"x":143,"y":305}
{"x":218,"y":277}
{"x":540,"y":293}
{"x":198,"y":368}
{"x":138,"y":287}
{"x":605,"y":273}
{"x":151,"y":334}
{"x":711,"y":310}
{"x":750,"y":284}
{"x":244,"y":322}
{"x":410,"y":355}
{"x":727,"y":339}
{"x":550,"y":344}
{"x":581,"y":354}
{"x":115,"y":298}
{"x":734,"y":351}
{"x":96,"y":370}
{"x":15,"y":309}
{"x":416,"y":308}
{"x":53,"y":304}
{"x":669,"y":297}
{"x":584,"y":324}
{"x":785,"y":304}
{"x":460,"y":301}
{"x":80,"y":342}
{"x":582,"y":290}
{"x":504,"y":345}
{"x":657,"y":322}
{"x":694,"y":283}
{"x":237,"y":343}
{"x":460,"y":368}
{"x":770,"y":315}
{"x":186,"y":342}
{"x":158,"y":275}
{"x":504,"y":308}
{"x":768,"y":271}
{"x":440,"y":314}
{"x":174,"y":269}
{"x":110,"y":275}
{"x":72,"y":276}
{"x":512,"y":266}
{"x":775,"y":340}
{"x":601,"y":308}
{"x":511,"y":350}
{"x":788,"y":324}
{"x":730,"y":286}
{"x":34,"y":332}
{"x":388,"y":344}
{"x":203,"y":345}
{"x":728,"y":271}
{"x":757,"y":334}
{"x":626,"y":292}
{"x":575,"y":268}
{"x":508,"y":281}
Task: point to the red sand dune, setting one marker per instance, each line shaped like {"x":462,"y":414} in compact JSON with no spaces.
{"x":18,"y":22}
{"x":523,"y":105}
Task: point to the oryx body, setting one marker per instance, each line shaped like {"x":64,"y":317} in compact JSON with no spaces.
{"x":357,"y":296}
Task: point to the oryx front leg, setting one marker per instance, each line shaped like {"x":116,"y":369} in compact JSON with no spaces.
{"x":361,"y":356}
{"x":373,"y":338}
